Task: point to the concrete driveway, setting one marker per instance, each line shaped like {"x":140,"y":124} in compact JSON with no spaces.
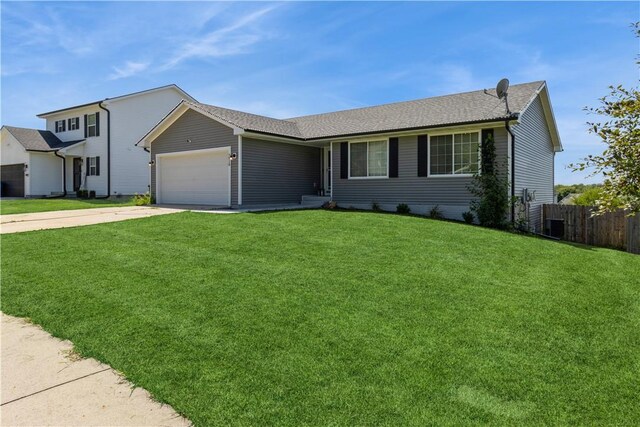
{"x":72,"y":218}
{"x":45,"y":384}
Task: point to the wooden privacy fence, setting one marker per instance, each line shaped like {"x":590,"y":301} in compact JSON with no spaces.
{"x":612,"y":230}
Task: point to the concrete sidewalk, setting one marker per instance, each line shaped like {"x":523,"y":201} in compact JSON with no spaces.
{"x":72,"y":218}
{"x":44,"y":385}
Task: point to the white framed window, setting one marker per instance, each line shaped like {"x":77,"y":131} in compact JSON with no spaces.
{"x":74,"y":123}
{"x":92,"y":125}
{"x":369,"y":159}
{"x":60,"y":126}
{"x":93,"y":166}
{"x":455,"y":154}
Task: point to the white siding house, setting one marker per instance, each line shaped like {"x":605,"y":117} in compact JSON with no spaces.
{"x":97,"y":140}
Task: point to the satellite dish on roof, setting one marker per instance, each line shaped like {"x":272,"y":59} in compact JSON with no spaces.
{"x":501,"y":90}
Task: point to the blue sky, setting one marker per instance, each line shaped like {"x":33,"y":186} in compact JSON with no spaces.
{"x":290,"y":59}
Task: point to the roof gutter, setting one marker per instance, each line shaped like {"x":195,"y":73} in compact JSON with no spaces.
{"x":49,"y":113}
{"x":108,"y":152}
{"x":386,"y":131}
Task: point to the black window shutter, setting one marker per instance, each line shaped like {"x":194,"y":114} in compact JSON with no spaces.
{"x":98,"y":166}
{"x":423,"y":152}
{"x":97,"y":124}
{"x":85,"y":129}
{"x":485,"y":163}
{"x":393,"y":157}
{"x":69,"y":120}
{"x":87,"y":167}
{"x":344,"y":160}
{"x":64,"y":125}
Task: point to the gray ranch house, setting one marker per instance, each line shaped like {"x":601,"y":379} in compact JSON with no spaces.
{"x":422,"y":153}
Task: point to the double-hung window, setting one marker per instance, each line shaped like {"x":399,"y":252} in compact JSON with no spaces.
{"x":74,"y":123}
{"x":92,"y":125}
{"x":93,"y":166}
{"x":60,"y":126}
{"x":454,"y":154}
{"x":368,"y":159}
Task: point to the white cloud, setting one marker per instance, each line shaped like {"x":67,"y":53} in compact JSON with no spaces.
{"x":233,"y":39}
{"x":129,"y":69}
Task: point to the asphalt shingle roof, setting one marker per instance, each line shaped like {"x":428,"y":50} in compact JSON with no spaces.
{"x":468,"y":107}
{"x":250,"y":121}
{"x":38,"y":140}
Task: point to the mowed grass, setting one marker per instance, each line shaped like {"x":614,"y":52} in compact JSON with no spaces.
{"x":341,"y":318}
{"x":13,"y":206}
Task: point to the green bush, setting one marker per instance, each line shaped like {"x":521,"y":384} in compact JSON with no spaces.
{"x":435,"y":213}
{"x":142,"y":199}
{"x":468,"y":217}
{"x":490,"y":189}
{"x":403,"y":208}
{"x":590,"y":197}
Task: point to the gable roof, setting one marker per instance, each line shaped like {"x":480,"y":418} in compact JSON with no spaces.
{"x":38,"y":140}
{"x":117,"y":98}
{"x":462,"y":108}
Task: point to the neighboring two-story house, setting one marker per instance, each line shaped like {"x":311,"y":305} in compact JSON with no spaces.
{"x":93,"y":143}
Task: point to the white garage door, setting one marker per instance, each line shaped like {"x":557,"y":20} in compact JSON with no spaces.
{"x":198,"y":177}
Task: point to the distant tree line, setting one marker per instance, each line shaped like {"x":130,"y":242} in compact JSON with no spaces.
{"x":563,"y":191}
{"x":587,"y":195}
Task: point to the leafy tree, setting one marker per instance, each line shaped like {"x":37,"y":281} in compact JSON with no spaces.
{"x":563,"y":191}
{"x":591,"y":196}
{"x":491,"y":189}
{"x":620,"y":161}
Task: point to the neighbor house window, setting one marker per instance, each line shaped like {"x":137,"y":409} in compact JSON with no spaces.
{"x":93,"y":166}
{"x":92,"y":126}
{"x":60,"y":126}
{"x":454,"y":154}
{"x":368,"y":159}
{"x":74,"y":123}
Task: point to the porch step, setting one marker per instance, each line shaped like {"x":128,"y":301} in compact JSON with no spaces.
{"x":314,"y":200}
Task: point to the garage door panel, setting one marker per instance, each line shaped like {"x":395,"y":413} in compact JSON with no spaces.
{"x":194,"y":178}
{"x":12,"y":178}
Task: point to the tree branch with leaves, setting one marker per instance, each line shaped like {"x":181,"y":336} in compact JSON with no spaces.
{"x":619,"y":163}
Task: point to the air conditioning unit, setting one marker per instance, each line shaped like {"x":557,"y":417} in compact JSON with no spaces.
{"x":554,"y":228}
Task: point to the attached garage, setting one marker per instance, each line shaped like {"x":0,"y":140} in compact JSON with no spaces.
{"x":198,"y":177}
{"x":12,"y":177}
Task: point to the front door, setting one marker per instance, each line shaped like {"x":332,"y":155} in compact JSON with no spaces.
{"x":327,"y":171}
{"x":77,"y":173}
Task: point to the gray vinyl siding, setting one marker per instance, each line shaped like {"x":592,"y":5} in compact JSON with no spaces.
{"x":275,"y":172}
{"x":450,"y":193}
{"x":204,"y":133}
{"x":534,"y":160}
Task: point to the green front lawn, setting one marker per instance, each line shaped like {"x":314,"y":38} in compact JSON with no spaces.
{"x":341,"y":318}
{"x":8,"y":207}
